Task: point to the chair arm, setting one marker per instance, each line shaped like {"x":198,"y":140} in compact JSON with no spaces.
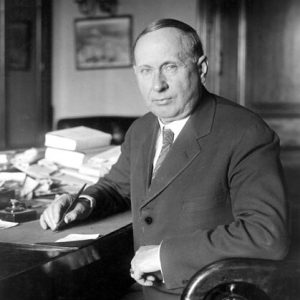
{"x":245,"y":278}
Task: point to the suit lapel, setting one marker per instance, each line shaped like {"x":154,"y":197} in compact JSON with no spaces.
{"x":184,"y":150}
{"x":146,"y":153}
{"x":149,"y":148}
{"x":182,"y":153}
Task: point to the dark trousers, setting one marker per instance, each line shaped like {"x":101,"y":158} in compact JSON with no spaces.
{"x":135,"y":292}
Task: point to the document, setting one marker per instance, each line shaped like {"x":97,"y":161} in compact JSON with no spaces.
{"x":6,"y":224}
{"x":78,"y":237}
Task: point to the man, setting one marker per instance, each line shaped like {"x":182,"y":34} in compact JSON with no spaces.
{"x":217,"y":193}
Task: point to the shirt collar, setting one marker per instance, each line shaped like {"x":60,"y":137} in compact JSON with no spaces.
{"x":175,"y":126}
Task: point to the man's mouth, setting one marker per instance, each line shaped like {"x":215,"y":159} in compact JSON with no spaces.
{"x":162,"y":101}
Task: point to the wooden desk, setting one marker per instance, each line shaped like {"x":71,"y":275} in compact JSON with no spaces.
{"x":99,"y":270}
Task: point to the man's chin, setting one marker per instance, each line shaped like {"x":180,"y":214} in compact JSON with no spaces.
{"x":167,"y":118}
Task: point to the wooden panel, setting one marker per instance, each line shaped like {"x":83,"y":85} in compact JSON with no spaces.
{"x":21,"y":86}
{"x":229,"y":47}
{"x":273,"y":47}
{"x":24,"y":72}
{"x":272,"y":66}
{"x":2,"y":77}
{"x":220,"y":30}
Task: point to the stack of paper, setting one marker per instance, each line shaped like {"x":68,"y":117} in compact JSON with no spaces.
{"x":71,"y":146}
{"x":71,"y":159}
{"x":100,"y":164}
{"x":77,"y":138}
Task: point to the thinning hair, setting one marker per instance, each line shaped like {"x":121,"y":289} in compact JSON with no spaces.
{"x":195,"y":49}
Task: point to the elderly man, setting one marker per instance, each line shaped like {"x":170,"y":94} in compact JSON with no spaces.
{"x":200,"y":173}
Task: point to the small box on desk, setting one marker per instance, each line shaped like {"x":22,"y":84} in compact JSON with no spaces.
{"x":18,"y":216}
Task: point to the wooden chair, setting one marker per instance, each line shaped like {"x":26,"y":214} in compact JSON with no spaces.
{"x":245,"y":279}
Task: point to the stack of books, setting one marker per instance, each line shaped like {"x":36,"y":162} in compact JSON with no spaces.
{"x":5,"y":159}
{"x":98,"y":165}
{"x":71,"y":147}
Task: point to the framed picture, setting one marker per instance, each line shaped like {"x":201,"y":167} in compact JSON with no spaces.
{"x":18,"y":45}
{"x":103,"y":42}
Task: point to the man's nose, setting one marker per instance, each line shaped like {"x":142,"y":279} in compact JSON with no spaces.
{"x":159,"y":82}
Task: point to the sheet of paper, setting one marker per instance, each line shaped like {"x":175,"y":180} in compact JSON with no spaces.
{"x":6,"y":224}
{"x":78,"y":237}
{"x":16,"y":176}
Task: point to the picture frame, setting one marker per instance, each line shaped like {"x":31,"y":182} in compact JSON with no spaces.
{"x":18,"y":45}
{"x":103,"y":42}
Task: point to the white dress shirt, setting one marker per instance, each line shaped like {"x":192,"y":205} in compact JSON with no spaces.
{"x":175,"y":126}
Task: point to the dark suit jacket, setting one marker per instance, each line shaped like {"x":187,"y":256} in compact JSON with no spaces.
{"x":219,"y":192}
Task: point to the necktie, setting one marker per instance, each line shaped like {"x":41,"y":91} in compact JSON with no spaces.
{"x":168,"y":137}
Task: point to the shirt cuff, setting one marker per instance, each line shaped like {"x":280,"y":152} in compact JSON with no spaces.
{"x":162,"y":274}
{"x":91,"y":201}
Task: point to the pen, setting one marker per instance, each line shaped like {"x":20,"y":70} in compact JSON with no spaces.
{"x":73,"y":202}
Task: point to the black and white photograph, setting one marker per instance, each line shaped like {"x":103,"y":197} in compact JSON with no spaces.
{"x":149,"y":150}
{"x":103,"y":42}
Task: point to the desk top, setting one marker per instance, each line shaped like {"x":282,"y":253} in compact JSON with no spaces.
{"x":31,"y":232}
{"x":95,"y":270}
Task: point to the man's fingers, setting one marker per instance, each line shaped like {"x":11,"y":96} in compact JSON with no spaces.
{"x":145,"y":280}
{"x":53,"y":213}
{"x":150,"y":278}
{"x":47,"y":222}
{"x":77,"y":213}
{"x":43,"y":223}
{"x":142,"y":278}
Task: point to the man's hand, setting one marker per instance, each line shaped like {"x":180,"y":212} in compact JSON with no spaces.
{"x":145,"y":262}
{"x":54,"y":212}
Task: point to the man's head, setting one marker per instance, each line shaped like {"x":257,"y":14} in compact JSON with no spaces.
{"x":170,"y":68}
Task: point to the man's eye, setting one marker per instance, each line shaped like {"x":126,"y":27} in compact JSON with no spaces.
{"x":170,"y":68}
{"x":145,"y":71}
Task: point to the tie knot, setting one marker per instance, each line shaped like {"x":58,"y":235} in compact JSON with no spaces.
{"x":168,"y":136}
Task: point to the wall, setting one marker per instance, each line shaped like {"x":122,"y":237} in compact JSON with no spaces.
{"x":23,"y":107}
{"x":103,"y":91}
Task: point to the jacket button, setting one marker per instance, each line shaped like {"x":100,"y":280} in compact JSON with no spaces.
{"x":148,"y":220}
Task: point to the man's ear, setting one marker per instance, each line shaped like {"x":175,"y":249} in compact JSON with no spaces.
{"x":202,"y":64}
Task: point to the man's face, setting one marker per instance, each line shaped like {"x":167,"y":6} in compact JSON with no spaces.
{"x":168,"y":78}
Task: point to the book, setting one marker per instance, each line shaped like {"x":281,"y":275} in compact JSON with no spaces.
{"x":5,"y":159}
{"x":100,"y":164}
{"x":75,"y":173}
{"x":77,"y":138}
{"x":68,"y":158}
{"x":6,"y":156}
